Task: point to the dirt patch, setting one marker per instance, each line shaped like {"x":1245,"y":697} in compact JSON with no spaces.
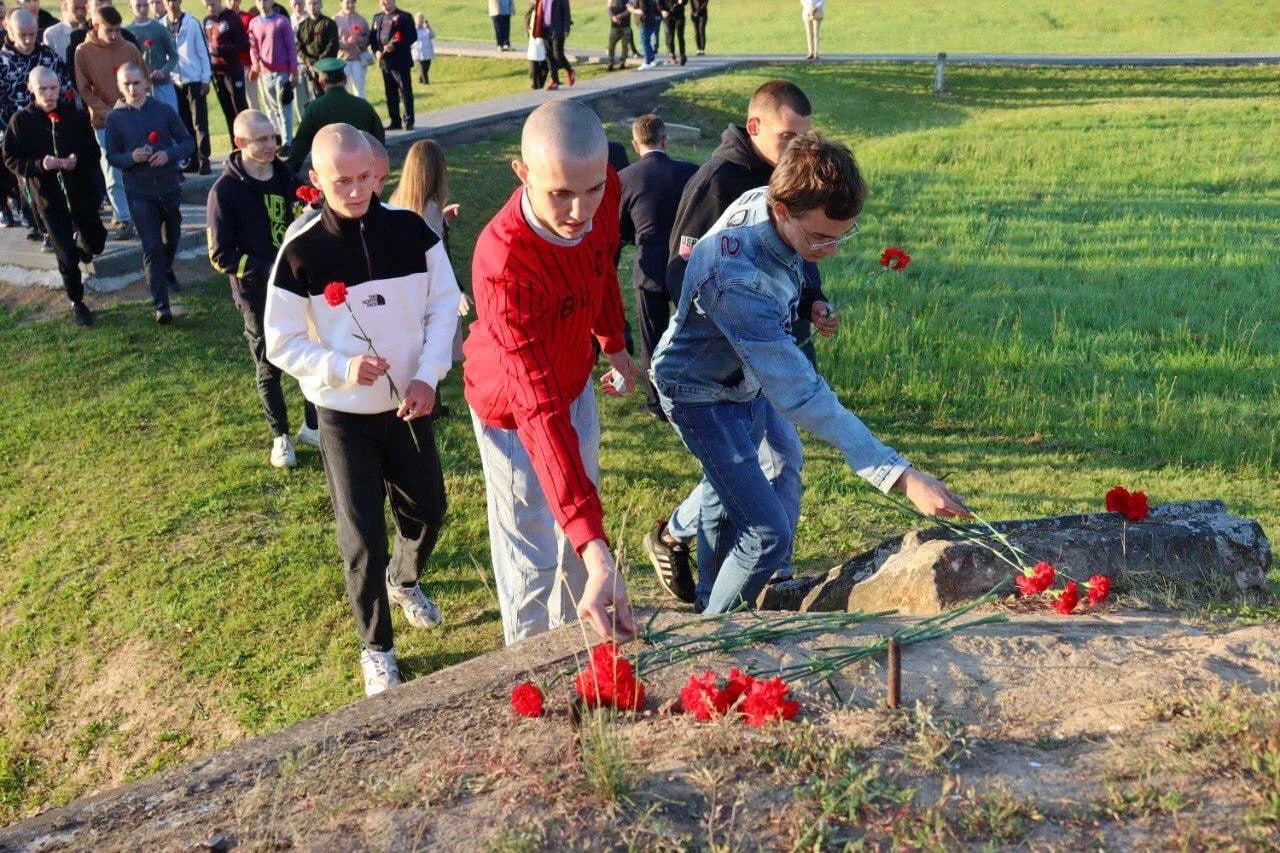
{"x":1120,"y":729}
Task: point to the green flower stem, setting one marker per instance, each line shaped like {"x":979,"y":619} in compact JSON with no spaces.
{"x":395,"y":392}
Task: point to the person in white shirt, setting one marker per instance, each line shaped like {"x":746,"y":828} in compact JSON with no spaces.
{"x":74,"y":14}
{"x":811,"y":14}
{"x":191,"y":80}
{"x":424,"y":49}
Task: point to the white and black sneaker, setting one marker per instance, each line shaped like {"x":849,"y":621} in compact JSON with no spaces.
{"x":418,"y":609}
{"x":380,"y":671}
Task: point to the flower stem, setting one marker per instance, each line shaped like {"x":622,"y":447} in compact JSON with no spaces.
{"x":395,"y":392}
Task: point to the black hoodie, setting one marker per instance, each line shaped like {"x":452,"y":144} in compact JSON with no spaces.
{"x":30,"y":138}
{"x":247,"y":219}
{"x":734,"y":168}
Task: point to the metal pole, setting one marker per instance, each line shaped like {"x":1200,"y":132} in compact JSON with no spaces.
{"x":940,"y":74}
{"x":895,"y":673}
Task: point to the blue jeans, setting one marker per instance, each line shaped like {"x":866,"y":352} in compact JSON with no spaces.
{"x":744,"y":533}
{"x":115,"y":182}
{"x":273,"y":83}
{"x":159,"y":223}
{"x":649,"y":39}
{"x":781,"y":459}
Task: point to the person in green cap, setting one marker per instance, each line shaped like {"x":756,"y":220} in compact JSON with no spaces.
{"x":335,"y":106}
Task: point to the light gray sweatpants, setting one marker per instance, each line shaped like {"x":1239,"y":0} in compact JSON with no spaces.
{"x":539,"y":576}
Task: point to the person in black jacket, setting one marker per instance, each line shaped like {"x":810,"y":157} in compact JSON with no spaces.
{"x":651,"y":191}
{"x":393,"y":33}
{"x":777,"y":113}
{"x":51,"y":144}
{"x":673,"y":17}
{"x":698,"y":12}
{"x":552,"y":22}
{"x":249,"y":208}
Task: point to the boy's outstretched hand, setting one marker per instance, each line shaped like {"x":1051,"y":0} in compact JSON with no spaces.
{"x":929,"y":495}
{"x":605,"y":587}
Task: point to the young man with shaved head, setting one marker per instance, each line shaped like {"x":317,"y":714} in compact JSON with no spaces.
{"x":51,"y":145}
{"x":546,"y":290}
{"x":777,"y":113}
{"x":398,"y":291}
{"x":249,"y":208}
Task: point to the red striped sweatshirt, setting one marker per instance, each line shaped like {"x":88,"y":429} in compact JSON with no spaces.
{"x":529,"y":353}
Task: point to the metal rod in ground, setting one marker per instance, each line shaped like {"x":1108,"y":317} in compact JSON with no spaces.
{"x":895,"y":673}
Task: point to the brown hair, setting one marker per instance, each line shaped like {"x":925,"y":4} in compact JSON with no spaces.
{"x":425,"y":177}
{"x":108,"y":15}
{"x":816,"y":173}
{"x":771,"y":97}
{"x":649,"y":130}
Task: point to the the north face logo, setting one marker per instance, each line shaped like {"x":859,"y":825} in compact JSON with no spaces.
{"x":374,"y":300}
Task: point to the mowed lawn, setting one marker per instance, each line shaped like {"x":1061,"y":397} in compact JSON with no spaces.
{"x":1092,"y":300}
{"x":929,"y":26}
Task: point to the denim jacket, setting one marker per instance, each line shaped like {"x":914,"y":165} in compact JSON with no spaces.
{"x":730,"y":341}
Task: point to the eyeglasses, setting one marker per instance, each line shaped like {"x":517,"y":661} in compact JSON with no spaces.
{"x":827,"y":244}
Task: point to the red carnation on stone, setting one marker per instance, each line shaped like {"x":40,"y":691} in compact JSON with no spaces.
{"x":1132,"y":505}
{"x":1035,"y":580}
{"x":54,"y":117}
{"x":308,"y":195}
{"x":1068,"y":599}
{"x":526,"y":700}
{"x":609,"y":680}
{"x":894,"y":258}
{"x":1099,"y":587}
{"x":767,"y":701}
{"x":153,"y":137}
{"x":335,"y":293}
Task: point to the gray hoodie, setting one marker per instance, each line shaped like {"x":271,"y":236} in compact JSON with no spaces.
{"x":129,"y":128}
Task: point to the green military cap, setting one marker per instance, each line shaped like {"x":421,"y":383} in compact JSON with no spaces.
{"x":330,"y":63}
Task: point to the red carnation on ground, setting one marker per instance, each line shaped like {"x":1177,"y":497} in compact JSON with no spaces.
{"x":1035,"y":580}
{"x":609,"y":680}
{"x":335,"y":293}
{"x":1132,"y":505}
{"x":308,"y":195}
{"x":767,"y":701}
{"x":894,"y":258}
{"x":1099,"y":587}
{"x":54,"y":117}
{"x":153,"y":137}
{"x":526,"y":700}
{"x":1068,"y":600}
{"x":703,"y":697}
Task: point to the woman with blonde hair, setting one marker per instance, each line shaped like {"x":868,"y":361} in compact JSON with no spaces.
{"x":424,"y":189}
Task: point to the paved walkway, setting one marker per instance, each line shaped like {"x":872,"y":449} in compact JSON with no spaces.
{"x":21,"y":262}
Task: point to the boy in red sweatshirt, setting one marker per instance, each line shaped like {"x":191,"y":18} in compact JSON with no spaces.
{"x":546,"y":289}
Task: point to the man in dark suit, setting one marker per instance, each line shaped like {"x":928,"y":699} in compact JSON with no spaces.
{"x":393,"y":33}
{"x":651,"y":189}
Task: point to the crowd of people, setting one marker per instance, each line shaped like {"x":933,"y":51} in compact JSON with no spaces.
{"x":356,"y":298}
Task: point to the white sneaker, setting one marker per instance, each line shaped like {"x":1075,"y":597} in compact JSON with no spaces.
{"x":308,"y":435}
{"x":282,"y":455}
{"x":380,"y":671}
{"x":418,"y":609}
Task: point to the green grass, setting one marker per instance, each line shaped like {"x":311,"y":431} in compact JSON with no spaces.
{"x":1092,"y":301}
{"x":928,"y":26}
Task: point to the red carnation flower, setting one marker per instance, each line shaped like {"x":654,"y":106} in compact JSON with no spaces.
{"x":526,"y":700}
{"x":70,"y":96}
{"x":146,"y":43}
{"x":335,"y":293}
{"x":767,"y":701}
{"x":357,"y":28}
{"x":54,"y":117}
{"x":609,"y":680}
{"x":1035,"y":580}
{"x":894,"y":258}
{"x":1132,"y":505}
{"x":1068,"y":600}
{"x":1099,"y":587}
{"x":308,"y":195}
{"x":703,"y":698}
{"x":153,"y":137}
